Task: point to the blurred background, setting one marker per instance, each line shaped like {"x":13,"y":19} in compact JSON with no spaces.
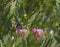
{"x":43,"y":14}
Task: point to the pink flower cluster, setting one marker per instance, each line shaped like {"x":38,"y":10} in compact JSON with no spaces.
{"x":38,"y":32}
{"x":21,"y":32}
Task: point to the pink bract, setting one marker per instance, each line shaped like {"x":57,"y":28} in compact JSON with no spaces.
{"x":21,"y":31}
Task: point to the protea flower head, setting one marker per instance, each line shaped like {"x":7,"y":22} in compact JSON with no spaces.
{"x":21,"y":31}
{"x":38,"y":32}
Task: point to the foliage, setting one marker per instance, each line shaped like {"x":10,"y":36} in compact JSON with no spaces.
{"x":43,"y":14}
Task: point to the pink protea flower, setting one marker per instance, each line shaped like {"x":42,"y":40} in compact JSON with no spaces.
{"x":21,"y":31}
{"x":38,"y":32}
